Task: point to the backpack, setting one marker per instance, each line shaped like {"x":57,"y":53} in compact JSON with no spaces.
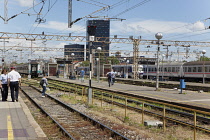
{"x":109,"y":75}
{"x":41,"y":82}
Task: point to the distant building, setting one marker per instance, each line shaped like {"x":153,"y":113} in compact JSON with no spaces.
{"x":102,"y":30}
{"x":77,"y":49}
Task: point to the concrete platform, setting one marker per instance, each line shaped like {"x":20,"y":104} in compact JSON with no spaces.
{"x":17,"y":123}
{"x":200,"y":99}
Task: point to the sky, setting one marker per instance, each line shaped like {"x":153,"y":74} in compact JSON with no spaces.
{"x":178,"y":20}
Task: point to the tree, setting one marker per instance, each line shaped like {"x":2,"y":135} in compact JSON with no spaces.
{"x":204,"y":58}
{"x":114,"y":60}
{"x":85,"y":63}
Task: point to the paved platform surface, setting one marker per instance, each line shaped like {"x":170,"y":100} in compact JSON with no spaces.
{"x":189,"y":97}
{"x":17,"y":123}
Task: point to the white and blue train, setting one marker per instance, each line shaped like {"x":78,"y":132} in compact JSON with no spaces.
{"x":191,"y":71}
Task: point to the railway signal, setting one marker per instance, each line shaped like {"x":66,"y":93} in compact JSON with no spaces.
{"x":91,"y":30}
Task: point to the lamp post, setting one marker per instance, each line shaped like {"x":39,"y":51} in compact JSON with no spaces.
{"x":30,"y":58}
{"x":203,"y":52}
{"x":29,"y":62}
{"x":72,"y":68}
{"x":163,"y":55}
{"x":158,"y":37}
{"x":98,"y":62}
{"x":64,"y":68}
{"x":125,"y":68}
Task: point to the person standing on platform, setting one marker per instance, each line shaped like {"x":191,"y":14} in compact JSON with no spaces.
{"x":82,"y":74}
{"x":4,"y":87}
{"x":57,"y":73}
{"x":44,"y":85}
{"x":14,"y":81}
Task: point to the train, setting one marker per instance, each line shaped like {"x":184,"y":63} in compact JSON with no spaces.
{"x":190,"y":71}
{"x":35,"y":69}
{"x":120,"y":70}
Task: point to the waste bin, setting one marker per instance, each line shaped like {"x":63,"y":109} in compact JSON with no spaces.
{"x":182,"y":85}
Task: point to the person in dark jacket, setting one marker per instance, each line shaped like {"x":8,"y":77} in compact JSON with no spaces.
{"x":44,"y":86}
{"x":4,"y":87}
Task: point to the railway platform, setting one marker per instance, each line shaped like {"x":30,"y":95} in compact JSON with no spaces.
{"x":172,"y":94}
{"x":17,"y":123}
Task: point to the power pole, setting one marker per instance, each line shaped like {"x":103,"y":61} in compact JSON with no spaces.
{"x":136,"y":43}
{"x":70,"y":14}
{"x":3,"y":53}
{"x":5,"y":12}
{"x":167,"y":51}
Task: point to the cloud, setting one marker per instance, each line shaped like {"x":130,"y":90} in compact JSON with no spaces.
{"x":142,"y":27}
{"x":61,"y":26}
{"x":25,"y":3}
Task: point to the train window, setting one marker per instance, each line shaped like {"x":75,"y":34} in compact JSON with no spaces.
{"x":194,"y":69}
{"x":199,"y":69}
{"x":169,"y":69}
{"x":173,"y":69}
{"x":206,"y":69}
{"x":185,"y":69}
{"x":189,"y":69}
{"x":165,"y":70}
{"x":177,"y":69}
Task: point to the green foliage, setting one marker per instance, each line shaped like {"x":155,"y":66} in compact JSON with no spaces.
{"x":85,"y":63}
{"x":204,"y":58}
{"x":114,"y":60}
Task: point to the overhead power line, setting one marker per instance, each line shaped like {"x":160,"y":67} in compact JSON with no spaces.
{"x":6,"y":20}
{"x":133,"y":7}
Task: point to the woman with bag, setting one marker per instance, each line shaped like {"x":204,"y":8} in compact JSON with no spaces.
{"x":4,"y":87}
{"x":44,"y":85}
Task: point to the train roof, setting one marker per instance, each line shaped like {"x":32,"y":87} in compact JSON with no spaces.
{"x":197,"y":63}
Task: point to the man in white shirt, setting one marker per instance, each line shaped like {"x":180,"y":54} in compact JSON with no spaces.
{"x":14,"y":80}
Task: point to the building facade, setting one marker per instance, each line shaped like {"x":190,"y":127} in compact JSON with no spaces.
{"x":77,"y":49}
{"x":102,"y":30}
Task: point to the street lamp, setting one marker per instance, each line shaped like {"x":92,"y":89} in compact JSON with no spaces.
{"x":203,"y":52}
{"x":163,"y":55}
{"x":72,"y":69}
{"x":98,"y":62}
{"x":64,"y":68}
{"x":127,"y":69}
{"x":158,"y":37}
{"x":30,"y":57}
{"x":29,"y":70}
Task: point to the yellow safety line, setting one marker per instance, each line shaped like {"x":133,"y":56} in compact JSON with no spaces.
{"x":9,"y":128}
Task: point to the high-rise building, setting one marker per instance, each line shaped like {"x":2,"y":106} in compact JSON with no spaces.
{"x":102,"y":30}
{"x":77,"y":49}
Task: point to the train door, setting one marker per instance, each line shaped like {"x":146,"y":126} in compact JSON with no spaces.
{"x":34,"y":70}
{"x":52,"y":69}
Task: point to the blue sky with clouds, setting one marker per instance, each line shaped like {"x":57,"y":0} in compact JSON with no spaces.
{"x":182,"y":20}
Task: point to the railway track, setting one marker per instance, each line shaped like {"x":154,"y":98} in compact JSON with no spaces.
{"x":177,"y":114}
{"x":74,"y":124}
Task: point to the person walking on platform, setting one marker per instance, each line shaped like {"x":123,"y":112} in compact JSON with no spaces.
{"x":109,"y":76}
{"x":44,"y":84}
{"x":82,"y":74}
{"x":14,"y":81}
{"x":4,"y":87}
{"x":113,"y":75}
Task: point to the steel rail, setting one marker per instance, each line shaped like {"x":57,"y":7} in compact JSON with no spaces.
{"x":168,"y":118}
{"x":114,"y":133}
{"x":66,"y":133}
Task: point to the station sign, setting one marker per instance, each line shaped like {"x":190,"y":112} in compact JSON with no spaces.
{"x":64,"y":62}
{"x":150,"y":61}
